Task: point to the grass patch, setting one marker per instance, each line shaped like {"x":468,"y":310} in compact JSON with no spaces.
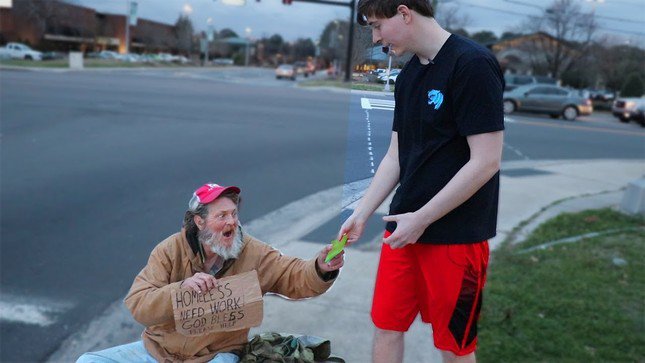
{"x":568,"y":303}
{"x":88,"y":63}
{"x":340,"y":84}
{"x":58,"y":63}
{"x":574,"y":224}
{"x":325,"y":83}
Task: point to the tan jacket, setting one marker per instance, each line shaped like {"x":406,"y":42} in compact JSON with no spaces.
{"x":173,"y":260}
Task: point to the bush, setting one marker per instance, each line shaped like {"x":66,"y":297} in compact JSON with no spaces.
{"x":633,"y":87}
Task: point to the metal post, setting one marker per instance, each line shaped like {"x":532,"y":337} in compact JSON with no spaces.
{"x":248,"y":40}
{"x":350,"y":43}
{"x":387,"y":74}
{"x":208,"y":46}
{"x":127,"y":29}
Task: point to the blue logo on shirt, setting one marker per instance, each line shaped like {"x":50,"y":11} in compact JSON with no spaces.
{"x":436,"y":97}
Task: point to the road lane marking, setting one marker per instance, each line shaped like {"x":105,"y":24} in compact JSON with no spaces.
{"x":583,"y":128}
{"x":516,"y":151}
{"x":377,"y":104}
{"x":31,"y":311}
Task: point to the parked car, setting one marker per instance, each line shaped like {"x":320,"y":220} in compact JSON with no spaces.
{"x":286,"y":71}
{"x":515,"y":80}
{"x":601,"y":95}
{"x":20,"y":51}
{"x":394,"y":73}
{"x":223,"y":61}
{"x":53,"y":55}
{"x":305,"y":68}
{"x":108,"y":54}
{"x":630,"y":108}
{"x":552,"y":100}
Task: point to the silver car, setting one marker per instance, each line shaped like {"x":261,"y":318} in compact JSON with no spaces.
{"x":552,"y":100}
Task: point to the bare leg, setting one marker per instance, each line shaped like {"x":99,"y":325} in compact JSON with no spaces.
{"x":450,"y":357}
{"x":387,"y":346}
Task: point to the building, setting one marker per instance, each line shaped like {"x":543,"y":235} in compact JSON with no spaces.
{"x":527,"y":54}
{"x":56,"y":25}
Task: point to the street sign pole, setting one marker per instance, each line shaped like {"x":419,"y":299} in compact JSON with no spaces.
{"x":350,"y":43}
{"x":127,"y":30}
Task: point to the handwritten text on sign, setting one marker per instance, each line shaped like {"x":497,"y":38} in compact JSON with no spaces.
{"x":234,"y":304}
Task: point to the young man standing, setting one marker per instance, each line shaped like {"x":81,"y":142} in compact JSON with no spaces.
{"x":445,"y":154}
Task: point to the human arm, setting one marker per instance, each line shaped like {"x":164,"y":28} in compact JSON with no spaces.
{"x":386,"y":177}
{"x":149,"y":297}
{"x":484,"y":163}
{"x":290,"y":276}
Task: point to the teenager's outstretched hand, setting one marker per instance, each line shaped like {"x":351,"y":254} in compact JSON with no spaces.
{"x":353,"y":228}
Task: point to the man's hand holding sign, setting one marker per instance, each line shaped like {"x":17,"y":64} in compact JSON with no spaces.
{"x":232,"y":303}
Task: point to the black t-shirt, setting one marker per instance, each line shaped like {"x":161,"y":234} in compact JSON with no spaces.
{"x":437,"y":106}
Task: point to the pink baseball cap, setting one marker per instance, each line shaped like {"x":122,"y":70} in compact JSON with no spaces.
{"x":208,"y":193}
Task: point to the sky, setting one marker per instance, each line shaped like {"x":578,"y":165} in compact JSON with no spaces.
{"x":623,"y":20}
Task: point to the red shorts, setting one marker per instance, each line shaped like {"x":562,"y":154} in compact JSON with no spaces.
{"x":442,"y":282}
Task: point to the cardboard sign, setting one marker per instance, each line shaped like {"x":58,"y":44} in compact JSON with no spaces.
{"x":234,"y":304}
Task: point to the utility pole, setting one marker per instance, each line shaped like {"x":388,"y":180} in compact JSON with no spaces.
{"x":350,"y":43}
{"x":127,"y":28}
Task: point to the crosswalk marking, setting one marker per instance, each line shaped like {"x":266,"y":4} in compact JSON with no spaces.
{"x":377,"y":104}
{"x":31,"y":311}
{"x":388,"y":105}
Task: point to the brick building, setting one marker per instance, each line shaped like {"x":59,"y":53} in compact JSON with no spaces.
{"x":56,"y":25}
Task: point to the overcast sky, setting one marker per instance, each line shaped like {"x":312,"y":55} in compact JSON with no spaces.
{"x":624,"y":19}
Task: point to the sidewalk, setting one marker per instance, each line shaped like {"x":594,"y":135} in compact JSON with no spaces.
{"x":531,"y":192}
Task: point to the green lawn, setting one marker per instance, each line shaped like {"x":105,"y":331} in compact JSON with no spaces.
{"x":576,"y":302}
{"x":89,"y":63}
{"x":340,"y":84}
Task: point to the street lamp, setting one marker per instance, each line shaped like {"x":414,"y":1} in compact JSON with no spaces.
{"x":209,"y":38}
{"x":248,"y":40}
{"x":187,"y":9}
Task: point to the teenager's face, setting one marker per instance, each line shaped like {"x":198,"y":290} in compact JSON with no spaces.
{"x":389,"y":32}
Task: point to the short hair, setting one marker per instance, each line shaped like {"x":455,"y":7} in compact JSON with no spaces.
{"x":388,"y":8}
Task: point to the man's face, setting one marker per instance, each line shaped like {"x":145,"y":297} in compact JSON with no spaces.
{"x":389,"y":32}
{"x":219,"y":230}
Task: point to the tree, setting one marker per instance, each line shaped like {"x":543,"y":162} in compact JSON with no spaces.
{"x":563,"y":34}
{"x":633,"y":87}
{"x":484,"y":37}
{"x":45,"y":15}
{"x":615,"y":63}
{"x":452,"y":18}
{"x":333,"y":40}
{"x":303,"y":48}
{"x":509,"y":35}
{"x":184,"y":34}
{"x":227,"y":33}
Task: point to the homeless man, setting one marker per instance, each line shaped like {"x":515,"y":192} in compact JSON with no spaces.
{"x":211,"y":245}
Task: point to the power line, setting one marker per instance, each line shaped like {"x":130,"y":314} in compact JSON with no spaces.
{"x":534,"y":16}
{"x":522,"y":3}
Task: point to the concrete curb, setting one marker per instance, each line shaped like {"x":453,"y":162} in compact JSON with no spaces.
{"x":526,"y":202}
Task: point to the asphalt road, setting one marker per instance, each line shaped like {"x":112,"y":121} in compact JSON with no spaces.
{"x":97,"y":167}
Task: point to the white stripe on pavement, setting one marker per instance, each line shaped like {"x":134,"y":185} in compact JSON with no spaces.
{"x":388,"y":105}
{"x":32,"y":311}
{"x":377,"y":104}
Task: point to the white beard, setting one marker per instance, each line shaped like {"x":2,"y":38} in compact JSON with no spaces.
{"x":213,"y":241}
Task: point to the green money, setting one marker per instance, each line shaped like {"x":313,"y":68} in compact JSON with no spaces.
{"x":336,"y":248}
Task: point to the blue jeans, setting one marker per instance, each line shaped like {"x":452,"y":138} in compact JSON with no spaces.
{"x":135,"y":353}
